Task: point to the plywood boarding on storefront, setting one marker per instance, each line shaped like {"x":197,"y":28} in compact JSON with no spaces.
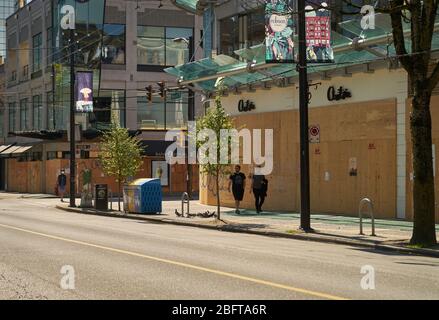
{"x":434,"y":108}
{"x":366,"y":131}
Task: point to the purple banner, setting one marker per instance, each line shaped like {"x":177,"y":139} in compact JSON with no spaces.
{"x":84,"y":92}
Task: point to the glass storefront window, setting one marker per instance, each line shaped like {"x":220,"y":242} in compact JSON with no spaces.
{"x":36,"y":112}
{"x":12,"y":112}
{"x":162,"y":46}
{"x":114,"y":44}
{"x":176,"y":110}
{"x":151,"y":116}
{"x":37,"y":42}
{"x":23,"y":115}
{"x":161,"y":115}
{"x":241,"y":31}
{"x":108,"y":104}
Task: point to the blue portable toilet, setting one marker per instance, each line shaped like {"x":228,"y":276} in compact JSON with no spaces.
{"x":143,"y":196}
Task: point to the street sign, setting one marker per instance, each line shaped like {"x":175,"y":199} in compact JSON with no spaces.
{"x":314,"y":134}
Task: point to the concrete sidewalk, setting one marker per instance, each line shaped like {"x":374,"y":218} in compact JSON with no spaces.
{"x":391,"y":234}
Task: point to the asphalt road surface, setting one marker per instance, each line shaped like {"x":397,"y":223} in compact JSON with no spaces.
{"x":50,"y":254}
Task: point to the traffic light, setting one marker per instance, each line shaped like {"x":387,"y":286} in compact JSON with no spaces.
{"x":149,"y":93}
{"x":162,"y":89}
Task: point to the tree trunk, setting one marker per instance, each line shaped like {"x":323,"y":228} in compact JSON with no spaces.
{"x":424,"y":232}
{"x":218,"y":195}
{"x":118,"y":194}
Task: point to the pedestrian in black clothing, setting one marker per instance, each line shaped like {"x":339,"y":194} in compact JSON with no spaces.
{"x":259,"y":190}
{"x":237,"y":185}
{"x":61,"y":183}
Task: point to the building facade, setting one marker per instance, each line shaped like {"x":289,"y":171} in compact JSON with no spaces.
{"x":127,"y":50}
{"x":358,"y":116}
{"x":6,"y":9}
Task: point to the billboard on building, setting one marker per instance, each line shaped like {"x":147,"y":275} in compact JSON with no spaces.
{"x":318,"y":32}
{"x":279,"y":30}
{"x":84,"y":91}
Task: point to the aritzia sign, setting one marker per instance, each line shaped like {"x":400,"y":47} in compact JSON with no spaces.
{"x":279,"y":45}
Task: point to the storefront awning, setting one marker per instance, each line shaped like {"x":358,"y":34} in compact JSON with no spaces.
{"x":15,"y":150}
{"x":9,"y":151}
{"x":353,"y":46}
{"x":21,"y":150}
{"x":4,"y":147}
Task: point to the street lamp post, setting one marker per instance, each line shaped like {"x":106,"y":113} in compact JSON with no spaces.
{"x":305,"y":217}
{"x":68,"y":22}
{"x":72,"y":121}
{"x":191,"y":117}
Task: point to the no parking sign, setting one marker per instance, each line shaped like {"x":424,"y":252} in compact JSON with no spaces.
{"x":314,"y":134}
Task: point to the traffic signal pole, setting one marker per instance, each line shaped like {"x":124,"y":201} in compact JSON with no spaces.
{"x":305,"y":216}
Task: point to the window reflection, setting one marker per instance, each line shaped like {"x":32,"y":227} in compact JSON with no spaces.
{"x":114,"y":44}
{"x":162,"y":46}
{"x":160,"y":114}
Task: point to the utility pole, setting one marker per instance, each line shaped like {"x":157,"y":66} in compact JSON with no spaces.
{"x":72,"y":121}
{"x":191,"y":117}
{"x":305,"y":217}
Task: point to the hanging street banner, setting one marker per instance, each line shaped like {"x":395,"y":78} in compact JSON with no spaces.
{"x":279,"y":30}
{"x":84,"y":91}
{"x":318,"y":32}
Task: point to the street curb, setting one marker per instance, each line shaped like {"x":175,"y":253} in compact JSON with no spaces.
{"x":299,"y":236}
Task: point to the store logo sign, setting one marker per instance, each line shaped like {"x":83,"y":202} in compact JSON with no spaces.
{"x":339,"y":94}
{"x":245,"y":106}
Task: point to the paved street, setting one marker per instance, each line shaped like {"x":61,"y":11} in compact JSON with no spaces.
{"x":117,"y":258}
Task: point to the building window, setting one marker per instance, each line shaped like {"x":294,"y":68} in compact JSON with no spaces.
{"x":51,"y":155}
{"x":2,"y":115}
{"x":242,"y":31}
{"x":36,"y":46}
{"x":162,"y":46}
{"x":114,"y":44}
{"x":36,"y":112}
{"x":161,"y":115}
{"x":108,"y":104}
{"x":24,"y":125}
{"x":12,"y":113}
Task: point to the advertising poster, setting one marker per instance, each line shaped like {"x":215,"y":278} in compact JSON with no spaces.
{"x":160,"y":170}
{"x":318,"y":32}
{"x":84,"y":92}
{"x":279,"y":30}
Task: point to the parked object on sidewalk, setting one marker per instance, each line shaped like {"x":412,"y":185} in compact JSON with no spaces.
{"x":143,"y":196}
{"x":101,"y":197}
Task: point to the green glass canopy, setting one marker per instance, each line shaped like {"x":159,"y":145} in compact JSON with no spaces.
{"x":249,"y":66}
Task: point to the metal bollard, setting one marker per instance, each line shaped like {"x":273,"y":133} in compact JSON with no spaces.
{"x":370,"y":205}
{"x":185,"y":200}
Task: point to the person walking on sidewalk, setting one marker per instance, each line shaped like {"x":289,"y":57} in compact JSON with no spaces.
{"x":61,"y":183}
{"x":258,"y":188}
{"x":237,"y":182}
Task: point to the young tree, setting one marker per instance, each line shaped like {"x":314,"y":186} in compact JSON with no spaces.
{"x":120,"y":154}
{"x":215,"y":120}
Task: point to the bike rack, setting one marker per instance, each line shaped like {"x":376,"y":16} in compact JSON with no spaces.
{"x":185,"y":200}
{"x":370,"y":205}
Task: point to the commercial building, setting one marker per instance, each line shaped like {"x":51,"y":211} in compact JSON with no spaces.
{"x":127,"y":45}
{"x":359,"y":109}
{"x":6,"y":9}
